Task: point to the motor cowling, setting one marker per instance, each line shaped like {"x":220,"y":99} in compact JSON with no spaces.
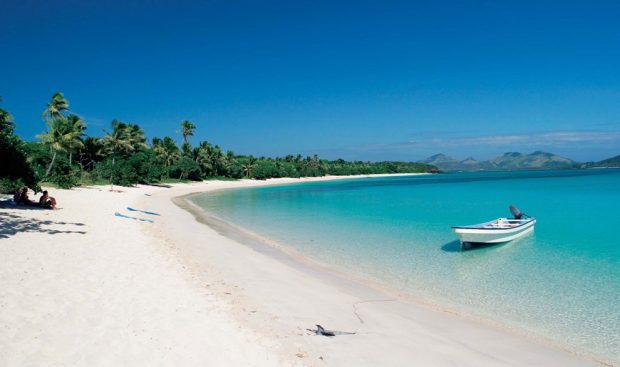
{"x":516,"y":212}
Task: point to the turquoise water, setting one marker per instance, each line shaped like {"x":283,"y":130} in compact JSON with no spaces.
{"x":561,"y":283}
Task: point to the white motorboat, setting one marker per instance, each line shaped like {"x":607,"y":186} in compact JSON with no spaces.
{"x":496,"y":231}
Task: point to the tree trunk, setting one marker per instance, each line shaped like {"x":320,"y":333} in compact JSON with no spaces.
{"x":70,"y":158}
{"x":112,"y":174}
{"x":49,"y":168}
{"x":80,"y":159}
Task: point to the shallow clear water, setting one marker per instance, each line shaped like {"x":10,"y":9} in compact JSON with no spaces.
{"x":562,"y":282}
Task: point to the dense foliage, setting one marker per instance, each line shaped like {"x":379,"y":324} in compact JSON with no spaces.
{"x":15,"y":170}
{"x":65,"y":156}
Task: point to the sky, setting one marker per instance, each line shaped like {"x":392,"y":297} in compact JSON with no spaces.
{"x":362,"y":80}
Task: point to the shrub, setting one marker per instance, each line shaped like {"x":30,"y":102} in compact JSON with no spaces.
{"x":185,"y":168}
{"x":65,"y":181}
{"x":118,"y":172}
{"x":9,"y":186}
{"x":146,"y":167}
{"x":15,"y":169}
{"x":139,"y":168}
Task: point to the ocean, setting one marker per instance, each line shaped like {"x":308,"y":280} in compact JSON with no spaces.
{"x":560,"y":283}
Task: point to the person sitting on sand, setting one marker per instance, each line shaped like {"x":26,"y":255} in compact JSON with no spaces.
{"x":24,"y":199}
{"x":17,"y":196}
{"x":47,"y":201}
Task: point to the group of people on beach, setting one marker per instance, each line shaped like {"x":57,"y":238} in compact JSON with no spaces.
{"x":46,"y":201}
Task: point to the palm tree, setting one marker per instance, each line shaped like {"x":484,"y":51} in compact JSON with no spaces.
{"x":122,"y":139}
{"x":6,"y":121}
{"x":278,"y":165}
{"x":228,"y":161}
{"x":76,"y":126}
{"x":91,"y":152}
{"x":55,"y":107}
{"x":166,"y":150}
{"x":136,"y":137}
{"x":58,"y":133}
{"x":218,"y":161}
{"x":59,"y":136}
{"x":187,"y":129}
{"x":118,"y":140}
{"x":203,"y":157}
{"x":249,"y":165}
{"x":210,"y":158}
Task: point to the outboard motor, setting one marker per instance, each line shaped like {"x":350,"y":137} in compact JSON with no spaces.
{"x":516,"y":212}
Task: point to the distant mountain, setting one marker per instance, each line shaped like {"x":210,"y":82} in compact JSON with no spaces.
{"x":470,"y":161}
{"x":443,"y":162}
{"x":437,"y":158}
{"x":610,"y":162}
{"x":507,"y":161}
{"x":536,"y":160}
{"x":605,"y":163}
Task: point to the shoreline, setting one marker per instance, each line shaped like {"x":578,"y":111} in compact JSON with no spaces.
{"x":177,"y":292}
{"x":317,"y":268}
{"x":321,"y":271}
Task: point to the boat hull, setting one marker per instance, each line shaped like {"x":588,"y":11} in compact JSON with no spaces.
{"x":472,"y":235}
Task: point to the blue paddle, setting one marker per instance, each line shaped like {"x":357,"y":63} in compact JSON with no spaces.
{"x":117,"y":214}
{"x":141,"y":211}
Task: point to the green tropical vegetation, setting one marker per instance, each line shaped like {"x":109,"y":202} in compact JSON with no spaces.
{"x":65,"y":156}
{"x":15,"y":169}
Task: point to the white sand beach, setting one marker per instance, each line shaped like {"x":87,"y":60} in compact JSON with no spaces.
{"x":80,"y":286}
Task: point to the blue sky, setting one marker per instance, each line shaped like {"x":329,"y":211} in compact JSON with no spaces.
{"x":369,"y":80}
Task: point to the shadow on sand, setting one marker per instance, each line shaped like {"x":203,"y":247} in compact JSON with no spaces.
{"x":11,"y":224}
{"x":9,"y":204}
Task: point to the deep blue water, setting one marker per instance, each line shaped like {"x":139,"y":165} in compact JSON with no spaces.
{"x":562,"y":282}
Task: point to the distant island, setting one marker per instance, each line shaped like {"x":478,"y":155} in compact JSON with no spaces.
{"x":613,"y":162}
{"x":515,"y":161}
